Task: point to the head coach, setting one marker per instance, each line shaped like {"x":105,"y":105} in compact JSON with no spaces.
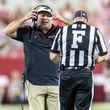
{"x":40,"y":72}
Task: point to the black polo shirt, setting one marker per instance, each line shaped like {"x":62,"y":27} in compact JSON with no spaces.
{"x":39,"y":69}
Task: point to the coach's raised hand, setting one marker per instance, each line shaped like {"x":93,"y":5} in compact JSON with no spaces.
{"x":11,"y":29}
{"x":57,"y":16}
{"x":32,"y":14}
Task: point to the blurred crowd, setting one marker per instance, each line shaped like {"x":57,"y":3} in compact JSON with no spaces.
{"x":99,"y":15}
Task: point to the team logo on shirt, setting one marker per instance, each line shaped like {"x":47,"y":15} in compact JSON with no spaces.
{"x":36,"y":34}
{"x":52,"y":36}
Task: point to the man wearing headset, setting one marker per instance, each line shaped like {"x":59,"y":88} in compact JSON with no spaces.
{"x":40,"y":72}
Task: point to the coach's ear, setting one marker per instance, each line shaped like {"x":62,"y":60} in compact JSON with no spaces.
{"x":54,"y":57}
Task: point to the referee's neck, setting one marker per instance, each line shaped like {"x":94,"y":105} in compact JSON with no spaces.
{"x":80,"y":22}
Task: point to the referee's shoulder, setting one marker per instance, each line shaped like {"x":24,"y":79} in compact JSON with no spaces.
{"x":64,"y":28}
{"x":93,"y":26}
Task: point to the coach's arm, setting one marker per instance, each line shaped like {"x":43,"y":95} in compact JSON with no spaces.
{"x":11,"y":28}
{"x":101,"y":59}
{"x":66,"y":21}
{"x":54,"y":57}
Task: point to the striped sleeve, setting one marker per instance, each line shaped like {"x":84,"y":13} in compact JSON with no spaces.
{"x":56,"y":46}
{"x":100,"y":44}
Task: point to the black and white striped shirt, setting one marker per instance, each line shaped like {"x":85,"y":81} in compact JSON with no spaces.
{"x":77,"y":44}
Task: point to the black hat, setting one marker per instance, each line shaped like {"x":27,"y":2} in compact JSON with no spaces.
{"x":81,"y":13}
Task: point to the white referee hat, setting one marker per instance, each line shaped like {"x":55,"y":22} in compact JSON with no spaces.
{"x":44,"y":8}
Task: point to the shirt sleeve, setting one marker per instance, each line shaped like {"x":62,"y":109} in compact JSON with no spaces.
{"x":56,"y":43}
{"x":23,"y":33}
{"x":100,"y":44}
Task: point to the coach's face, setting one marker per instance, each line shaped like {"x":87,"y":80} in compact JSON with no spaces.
{"x":45,"y":20}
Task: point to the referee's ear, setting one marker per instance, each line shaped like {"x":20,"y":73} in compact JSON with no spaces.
{"x":54,"y":57}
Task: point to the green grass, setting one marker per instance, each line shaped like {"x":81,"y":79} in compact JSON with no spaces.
{"x":13,"y":107}
{"x":101,"y":106}
{"x":96,"y":106}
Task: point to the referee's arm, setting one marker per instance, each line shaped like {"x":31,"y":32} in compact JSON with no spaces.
{"x":100,"y":59}
{"x":101,"y":48}
{"x":54,"y":57}
{"x":54,"y":53}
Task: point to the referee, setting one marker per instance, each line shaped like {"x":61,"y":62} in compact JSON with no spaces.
{"x":76,"y":45}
